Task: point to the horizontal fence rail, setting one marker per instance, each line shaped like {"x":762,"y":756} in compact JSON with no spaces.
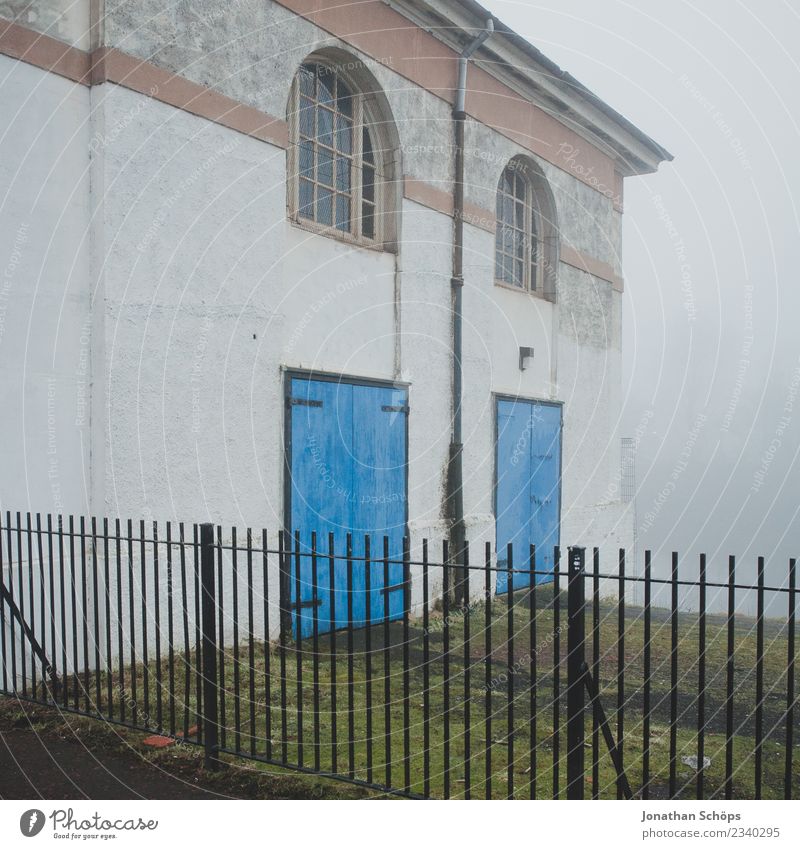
{"x":395,"y":668}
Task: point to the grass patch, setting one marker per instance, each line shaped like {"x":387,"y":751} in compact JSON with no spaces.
{"x":469,"y":707}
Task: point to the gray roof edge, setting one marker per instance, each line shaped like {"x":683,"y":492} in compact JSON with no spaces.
{"x":656,"y":152}
{"x":541,"y":59}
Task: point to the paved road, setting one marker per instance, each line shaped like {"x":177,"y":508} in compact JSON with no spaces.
{"x":64,"y":767}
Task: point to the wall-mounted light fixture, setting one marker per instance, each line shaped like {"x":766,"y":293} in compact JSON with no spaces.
{"x":525,"y":354}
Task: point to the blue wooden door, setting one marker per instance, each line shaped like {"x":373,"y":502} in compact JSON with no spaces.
{"x":528,"y":491}
{"x":348,"y":475}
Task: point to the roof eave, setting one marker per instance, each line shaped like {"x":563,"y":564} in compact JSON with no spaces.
{"x":633,"y":151}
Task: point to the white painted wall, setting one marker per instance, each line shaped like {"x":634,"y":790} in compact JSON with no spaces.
{"x":45,"y":291}
{"x":257,"y":67}
{"x":166,"y":402}
{"x":45,"y":313}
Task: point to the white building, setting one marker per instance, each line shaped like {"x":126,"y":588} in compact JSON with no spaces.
{"x":211,"y":213}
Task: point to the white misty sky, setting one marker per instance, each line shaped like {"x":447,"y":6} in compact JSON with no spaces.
{"x":712,"y":368}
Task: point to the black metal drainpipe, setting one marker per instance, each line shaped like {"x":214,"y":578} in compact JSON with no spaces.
{"x":455,"y":466}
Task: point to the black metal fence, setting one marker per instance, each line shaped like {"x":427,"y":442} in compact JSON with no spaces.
{"x":567,"y":685}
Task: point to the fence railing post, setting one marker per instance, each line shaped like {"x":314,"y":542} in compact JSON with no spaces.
{"x":209,"y":627}
{"x":576,"y":667}
{"x":286,"y":609}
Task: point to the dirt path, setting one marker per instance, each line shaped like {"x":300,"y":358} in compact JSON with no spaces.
{"x":45,"y":754}
{"x":46,"y":766}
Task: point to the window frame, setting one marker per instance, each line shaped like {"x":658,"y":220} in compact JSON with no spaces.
{"x":532,"y":285}
{"x":363,"y":120}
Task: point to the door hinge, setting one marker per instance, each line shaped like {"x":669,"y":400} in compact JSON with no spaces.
{"x":303,"y":402}
{"x":304,"y":604}
{"x":388,"y":408}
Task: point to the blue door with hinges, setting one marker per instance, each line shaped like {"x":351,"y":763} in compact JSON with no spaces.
{"x":528,"y":488}
{"x":347,"y":461}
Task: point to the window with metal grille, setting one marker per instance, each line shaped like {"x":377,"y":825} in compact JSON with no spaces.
{"x":335,"y":181}
{"x":517,"y":239}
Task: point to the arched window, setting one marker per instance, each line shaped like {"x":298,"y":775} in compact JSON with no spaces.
{"x":338,"y":163}
{"x":526,"y":240}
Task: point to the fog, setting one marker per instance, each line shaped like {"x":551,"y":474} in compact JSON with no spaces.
{"x":711,"y":251}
